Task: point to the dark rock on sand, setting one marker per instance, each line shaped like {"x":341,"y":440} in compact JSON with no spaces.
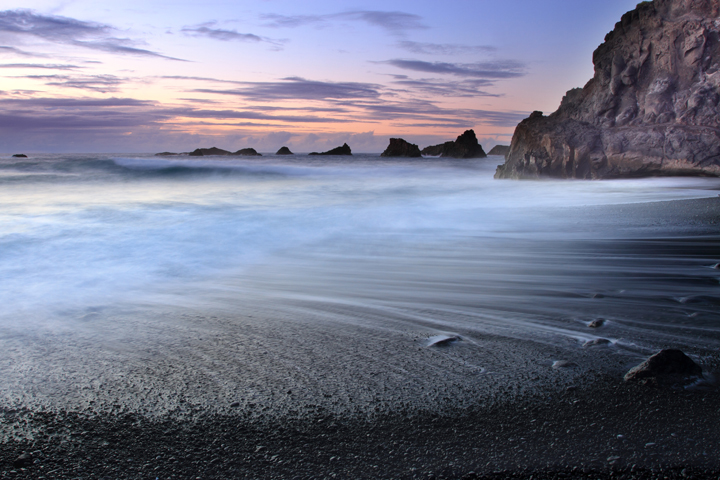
{"x":668,"y":364}
{"x":597,"y":323}
{"x":652,"y":107}
{"x":20,"y":155}
{"x":465,"y":146}
{"x":499,"y":150}
{"x":344,"y":150}
{"x":284,"y":151}
{"x":400,"y":148}
{"x":24,"y":460}
{"x":165,"y":154}
{"x":564,"y":364}
{"x":597,"y":342}
{"x":201,"y":152}
{"x":248,"y":152}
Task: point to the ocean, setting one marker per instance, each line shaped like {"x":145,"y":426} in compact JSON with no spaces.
{"x":158,"y":282}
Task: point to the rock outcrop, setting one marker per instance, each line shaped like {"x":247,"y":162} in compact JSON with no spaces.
{"x":248,"y":152}
{"x":465,"y":146}
{"x":166,"y":154}
{"x":284,"y":151}
{"x":20,"y":155}
{"x":499,"y":150}
{"x":400,"y":148}
{"x":666,"y":365}
{"x":652,"y":107}
{"x":344,"y":150}
{"x":201,"y":152}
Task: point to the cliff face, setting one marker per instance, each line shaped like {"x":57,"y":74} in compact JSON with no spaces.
{"x":652,"y":107}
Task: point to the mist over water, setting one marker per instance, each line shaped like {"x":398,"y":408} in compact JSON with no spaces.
{"x":368,"y":246}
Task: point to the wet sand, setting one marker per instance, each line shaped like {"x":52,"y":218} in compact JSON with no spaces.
{"x":294,"y":386}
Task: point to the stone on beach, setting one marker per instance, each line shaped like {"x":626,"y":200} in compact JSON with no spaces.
{"x":398,"y":147}
{"x":668,"y":364}
{"x":597,"y":342}
{"x":597,"y":323}
{"x":564,"y":364}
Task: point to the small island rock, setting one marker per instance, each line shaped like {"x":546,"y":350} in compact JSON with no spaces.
{"x":248,"y":152}
{"x":400,"y":148}
{"x":344,"y":150}
{"x":284,"y":151}
{"x":20,"y":155}
{"x":667,"y":364}
{"x":465,"y":146}
{"x":201,"y":152}
{"x":499,"y":150}
{"x":165,"y":154}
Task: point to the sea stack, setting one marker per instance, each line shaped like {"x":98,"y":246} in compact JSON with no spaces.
{"x":465,"y":146}
{"x":201,"y":152}
{"x":284,"y":151}
{"x":499,"y":150}
{"x":652,"y":107}
{"x":248,"y":152}
{"x":20,"y":155}
{"x":344,"y":150}
{"x":400,"y":148}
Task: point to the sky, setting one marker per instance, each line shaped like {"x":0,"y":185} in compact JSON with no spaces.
{"x":174,"y":75}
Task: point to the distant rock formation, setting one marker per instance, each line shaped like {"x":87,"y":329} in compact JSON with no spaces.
{"x":434,"y":150}
{"x":247,"y":152}
{"x":400,"y":148}
{"x":20,"y":155}
{"x":652,"y":107}
{"x":465,"y":146}
{"x":201,"y":152}
{"x":166,"y":154}
{"x":284,"y":151}
{"x":499,"y":150}
{"x":344,"y":150}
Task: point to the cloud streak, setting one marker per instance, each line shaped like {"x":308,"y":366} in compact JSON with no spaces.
{"x":208,"y":30}
{"x":445,"y":48}
{"x":500,"y":69}
{"x":69,"y":31}
{"x":296,"y":88}
{"x":395,"y":22}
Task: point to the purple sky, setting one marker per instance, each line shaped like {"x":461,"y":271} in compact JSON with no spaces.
{"x":154,"y":75}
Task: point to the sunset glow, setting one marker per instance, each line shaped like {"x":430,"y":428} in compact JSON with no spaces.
{"x":154,"y":75}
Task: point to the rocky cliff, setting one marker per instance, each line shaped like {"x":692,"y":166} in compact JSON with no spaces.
{"x":652,"y":107}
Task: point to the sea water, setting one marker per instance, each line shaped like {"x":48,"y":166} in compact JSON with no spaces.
{"x":432,"y":245}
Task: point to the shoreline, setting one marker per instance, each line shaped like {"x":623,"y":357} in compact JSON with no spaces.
{"x":556,"y":424}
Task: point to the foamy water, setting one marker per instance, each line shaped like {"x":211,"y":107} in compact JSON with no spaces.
{"x":429,"y":246}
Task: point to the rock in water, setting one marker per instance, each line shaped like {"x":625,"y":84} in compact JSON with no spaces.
{"x":284,"y":151}
{"x":465,"y":146}
{"x":344,"y":150}
{"x":499,"y":150}
{"x":20,"y":155}
{"x":652,"y":108}
{"x":667,"y":364}
{"x":248,"y":152}
{"x":201,"y":152}
{"x":400,"y":148}
{"x":166,"y":154}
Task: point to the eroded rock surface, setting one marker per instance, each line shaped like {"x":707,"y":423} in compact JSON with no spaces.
{"x":401,"y":148}
{"x":652,"y":107}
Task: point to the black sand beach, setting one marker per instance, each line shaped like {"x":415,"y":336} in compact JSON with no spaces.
{"x":374,"y":403}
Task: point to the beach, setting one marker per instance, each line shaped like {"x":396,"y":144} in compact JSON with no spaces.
{"x":383,"y":320}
